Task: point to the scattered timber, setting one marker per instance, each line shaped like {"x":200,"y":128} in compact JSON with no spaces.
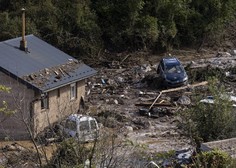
{"x":177,"y":89}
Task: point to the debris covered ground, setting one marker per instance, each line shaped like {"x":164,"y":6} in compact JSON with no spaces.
{"x":127,"y":97}
{"x":120,"y":94}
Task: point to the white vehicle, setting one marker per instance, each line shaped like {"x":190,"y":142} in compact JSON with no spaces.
{"x":83,"y":128}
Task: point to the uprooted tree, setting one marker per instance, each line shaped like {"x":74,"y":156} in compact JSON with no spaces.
{"x":210,"y":121}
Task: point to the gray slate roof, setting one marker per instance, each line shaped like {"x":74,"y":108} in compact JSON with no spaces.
{"x":43,"y":66}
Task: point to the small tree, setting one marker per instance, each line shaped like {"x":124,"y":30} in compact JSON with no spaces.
{"x":4,"y":106}
{"x":213,"y":159}
{"x":210,"y":121}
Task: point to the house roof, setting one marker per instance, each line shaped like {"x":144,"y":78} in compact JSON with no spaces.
{"x":43,"y":66}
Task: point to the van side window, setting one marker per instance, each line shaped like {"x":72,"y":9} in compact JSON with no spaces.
{"x":84,"y":126}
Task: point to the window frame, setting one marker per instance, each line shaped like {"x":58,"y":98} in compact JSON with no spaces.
{"x":44,"y":101}
{"x":73,"y":91}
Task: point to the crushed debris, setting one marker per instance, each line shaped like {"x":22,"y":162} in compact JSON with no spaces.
{"x":127,"y":95}
{"x":41,"y":78}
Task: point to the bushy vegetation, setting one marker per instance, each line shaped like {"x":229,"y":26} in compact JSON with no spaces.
{"x":85,"y":28}
{"x":213,"y":159}
{"x":70,"y":153}
{"x":206,"y":121}
{"x":3,"y":105}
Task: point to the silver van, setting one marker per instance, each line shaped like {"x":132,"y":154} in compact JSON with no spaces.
{"x":83,"y":128}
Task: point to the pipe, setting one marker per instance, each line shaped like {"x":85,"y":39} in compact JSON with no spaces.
{"x":23,"y":42}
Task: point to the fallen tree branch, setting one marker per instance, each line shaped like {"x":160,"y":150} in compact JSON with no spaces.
{"x":124,"y":59}
{"x":177,"y":89}
{"x":155,"y":101}
{"x":155,"y":104}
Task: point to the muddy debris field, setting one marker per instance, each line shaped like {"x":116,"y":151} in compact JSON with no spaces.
{"x":128,"y":97}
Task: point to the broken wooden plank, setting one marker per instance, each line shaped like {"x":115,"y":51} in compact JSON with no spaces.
{"x":156,"y":104}
{"x":124,"y":59}
{"x":63,"y":73}
{"x":177,"y":89}
{"x":155,"y":101}
{"x":147,"y":99}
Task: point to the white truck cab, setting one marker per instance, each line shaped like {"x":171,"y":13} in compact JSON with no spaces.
{"x":83,"y":128}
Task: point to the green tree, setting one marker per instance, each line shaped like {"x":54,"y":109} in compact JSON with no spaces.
{"x":77,"y":32}
{"x":211,"y":121}
{"x":4,"y":106}
{"x":208,"y":18}
{"x":126,"y":25}
{"x":84,"y":27}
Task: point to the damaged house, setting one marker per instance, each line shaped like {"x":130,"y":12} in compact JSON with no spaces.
{"x":46,"y":85}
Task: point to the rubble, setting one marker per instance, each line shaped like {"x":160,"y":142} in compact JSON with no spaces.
{"x":129,"y":95}
{"x":14,"y":147}
{"x":222,"y":60}
{"x":16,"y":155}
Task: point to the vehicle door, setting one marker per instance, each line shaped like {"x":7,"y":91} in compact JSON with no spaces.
{"x":162,"y":70}
{"x":84,"y":130}
{"x":70,"y":128}
{"x":93,"y":128}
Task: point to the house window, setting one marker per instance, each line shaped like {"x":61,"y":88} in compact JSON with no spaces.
{"x":44,"y":101}
{"x":73,"y":91}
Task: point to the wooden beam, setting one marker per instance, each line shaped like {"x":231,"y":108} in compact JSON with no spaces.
{"x":185,"y":87}
{"x":156,"y":104}
{"x":177,"y":89}
{"x":155,"y":101}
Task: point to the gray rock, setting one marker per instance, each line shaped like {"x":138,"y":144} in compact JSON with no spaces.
{"x":116,"y":101}
{"x":129,"y":128}
{"x":184,"y":100}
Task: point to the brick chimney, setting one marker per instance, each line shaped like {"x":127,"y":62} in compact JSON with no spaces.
{"x":23,"y":42}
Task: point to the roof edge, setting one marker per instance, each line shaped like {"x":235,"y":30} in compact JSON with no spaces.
{"x":27,"y":84}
